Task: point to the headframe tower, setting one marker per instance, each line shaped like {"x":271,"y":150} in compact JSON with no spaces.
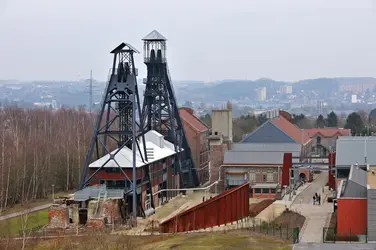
{"x":116,"y":124}
{"x":160,"y":110}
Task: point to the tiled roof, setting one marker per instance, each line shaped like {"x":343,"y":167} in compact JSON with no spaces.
{"x":292,"y":130}
{"x":328,"y":132}
{"x":187,"y":115}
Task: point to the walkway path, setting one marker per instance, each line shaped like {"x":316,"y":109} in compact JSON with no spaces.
{"x":34,"y":209}
{"x":316,"y":215}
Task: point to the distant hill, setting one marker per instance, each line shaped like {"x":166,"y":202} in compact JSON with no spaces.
{"x":237,"y":89}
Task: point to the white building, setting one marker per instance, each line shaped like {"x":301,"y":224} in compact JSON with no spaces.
{"x":354,"y":99}
{"x":286,"y":89}
{"x":261,"y":94}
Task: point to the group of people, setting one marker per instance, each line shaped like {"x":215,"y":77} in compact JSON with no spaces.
{"x":316,"y":199}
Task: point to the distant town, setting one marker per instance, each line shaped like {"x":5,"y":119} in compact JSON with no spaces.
{"x":310,"y":97}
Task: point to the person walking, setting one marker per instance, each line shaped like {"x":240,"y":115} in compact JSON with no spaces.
{"x":314,"y":200}
{"x":319,"y":199}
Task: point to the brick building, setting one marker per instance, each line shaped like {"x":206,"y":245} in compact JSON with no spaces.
{"x":161,"y":156}
{"x":258,"y":158}
{"x":197,"y":134}
{"x":324,"y":139}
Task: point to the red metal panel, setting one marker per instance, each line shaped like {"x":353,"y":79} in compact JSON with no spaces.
{"x":287,"y":165}
{"x":351,"y":216}
{"x":229,"y":206}
{"x":332,"y":164}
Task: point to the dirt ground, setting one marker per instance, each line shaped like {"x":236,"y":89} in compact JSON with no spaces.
{"x":256,"y":208}
{"x":205,"y":241}
{"x":290,"y":219}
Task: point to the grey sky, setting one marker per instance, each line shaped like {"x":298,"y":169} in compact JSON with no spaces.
{"x":207,"y":39}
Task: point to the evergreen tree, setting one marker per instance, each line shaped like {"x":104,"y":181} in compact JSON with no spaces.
{"x":355,"y":123}
{"x":332,"y":120}
{"x":320,"y":122}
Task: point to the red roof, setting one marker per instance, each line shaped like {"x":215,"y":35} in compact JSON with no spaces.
{"x":328,"y":132}
{"x":292,"y":130}
{"x":187,"y":115}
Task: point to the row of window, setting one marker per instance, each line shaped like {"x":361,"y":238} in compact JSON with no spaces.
{"x":268,"y":177}
{"x":264,"y":190}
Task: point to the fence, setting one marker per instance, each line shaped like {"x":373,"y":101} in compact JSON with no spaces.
{"x":283,"y":231}
{"x":330,"y":235}
{"x":225,"y":208}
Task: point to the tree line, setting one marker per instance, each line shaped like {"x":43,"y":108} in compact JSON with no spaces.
{"x":40,"y":148}
{"x":360,"y":122}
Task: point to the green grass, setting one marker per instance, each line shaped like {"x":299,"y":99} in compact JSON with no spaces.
{"x":197,"y":241}
{"x":19,"y":207}
{"x":11,"y":227}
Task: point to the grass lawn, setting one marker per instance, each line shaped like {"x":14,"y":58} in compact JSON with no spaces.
{"x":11,"y":227}
{"x":18,"y":207}
{"x":200,"y":241}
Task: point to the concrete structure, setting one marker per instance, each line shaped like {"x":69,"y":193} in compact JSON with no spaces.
{"x":260,"y":164}
{"x":220,"y":140}
{"x":324,"y":139}
{"x":197,"y":134}
{"x":352,"y":203}
{"x":222,"y":123}
{"x":354,"y":149}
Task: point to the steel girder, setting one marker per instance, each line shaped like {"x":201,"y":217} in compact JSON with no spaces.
{"x":119,"y":108}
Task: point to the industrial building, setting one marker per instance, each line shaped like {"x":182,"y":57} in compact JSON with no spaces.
{"x":160,"y":163}
{"x":197,"y":134}
{"x":137,"y":150}
{"x":351,"y":150}
{"x":259,"y":157}
{"x":324,"y":139}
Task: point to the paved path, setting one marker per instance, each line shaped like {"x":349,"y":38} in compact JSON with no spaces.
{"x":316,"y":216}
{"x":338,"y":246}
{"x":34,"y":209}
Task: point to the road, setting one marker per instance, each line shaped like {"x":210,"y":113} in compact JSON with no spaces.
{"x":34,"y":209}
{"x":316,"y":186}
{"x":316,"y":216}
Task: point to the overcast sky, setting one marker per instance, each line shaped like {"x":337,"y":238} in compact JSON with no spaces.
{"x":207,"y":39}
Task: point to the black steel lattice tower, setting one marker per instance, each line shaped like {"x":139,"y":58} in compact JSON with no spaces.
{"x":116,"y":120}
{"x":160,"y":111}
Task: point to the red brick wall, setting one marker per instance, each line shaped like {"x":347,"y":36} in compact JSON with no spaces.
{"x":216,"y":157}
{"x":351,"y":216}
{"x":58,"y":217}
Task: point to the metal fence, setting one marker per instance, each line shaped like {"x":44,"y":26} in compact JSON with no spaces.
{"x":282,"y":231}
{"x":223,"y":209}
{"x":330,"y":235}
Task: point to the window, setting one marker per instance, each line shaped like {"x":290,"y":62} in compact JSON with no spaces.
{"x":318,"y":140}
{"x":257,"y":190}
{"x":270,"y":177}
{"x":265,"y":190}
{"x":252,"y":177}
{"x":264,"y":177}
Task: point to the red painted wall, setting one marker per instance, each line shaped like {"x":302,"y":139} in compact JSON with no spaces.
{"x":287,"y":165}
{"x":351,"y":216}
{"x":231,"y":205}
{"x":332,"y":164}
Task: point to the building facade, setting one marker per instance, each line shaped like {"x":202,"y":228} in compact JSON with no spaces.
{"x":161,"y":156}
{"x":197,"y":134}
{"x":351,"y":150}
{"x":324,"y":139}
{"x":260,"y":164}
